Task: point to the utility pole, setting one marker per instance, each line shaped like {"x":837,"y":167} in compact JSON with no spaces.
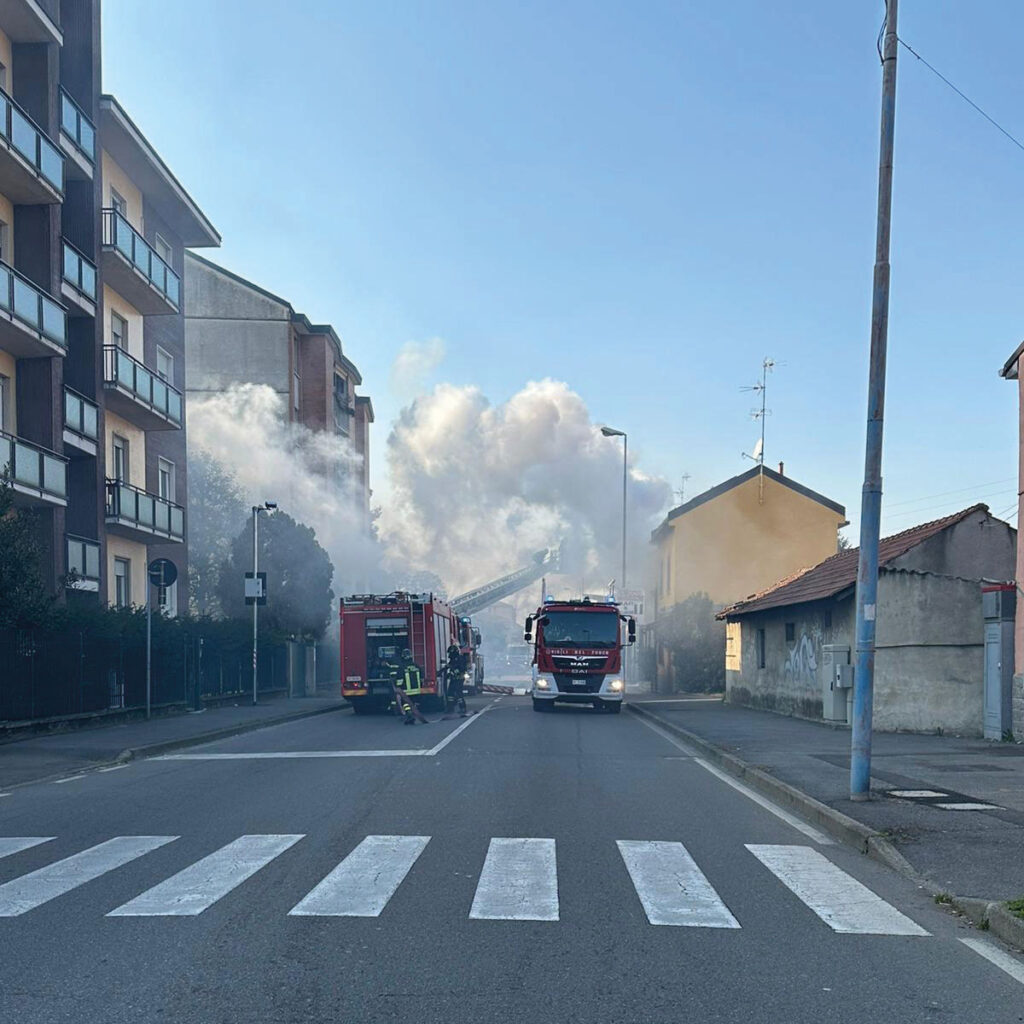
{"x":871,"y":496}
{"x":255,"y":576}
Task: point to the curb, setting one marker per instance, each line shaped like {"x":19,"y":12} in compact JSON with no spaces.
{"x":166,"y":746}
{"x":985,"y":914}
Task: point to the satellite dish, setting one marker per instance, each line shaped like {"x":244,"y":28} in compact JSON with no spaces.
{"x":758,"y":448}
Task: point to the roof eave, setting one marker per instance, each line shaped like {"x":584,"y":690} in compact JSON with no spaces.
{"x":1009,"y":370}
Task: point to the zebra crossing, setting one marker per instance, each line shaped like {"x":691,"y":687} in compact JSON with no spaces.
{"x":518,"y":881}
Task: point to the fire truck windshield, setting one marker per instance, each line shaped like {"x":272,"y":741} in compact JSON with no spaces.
{"x":581,"y":629}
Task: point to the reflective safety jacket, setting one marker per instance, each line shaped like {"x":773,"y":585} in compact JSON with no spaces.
{"x":412,"y":680}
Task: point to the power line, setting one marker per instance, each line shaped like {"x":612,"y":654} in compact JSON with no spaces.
{"x":943,"y":494}
{"x":963,"y":96}
{"x":944,"y":505}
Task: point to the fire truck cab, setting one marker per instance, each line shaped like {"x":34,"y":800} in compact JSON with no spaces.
{"x":578,"y":653}
{"x":469,"y":643}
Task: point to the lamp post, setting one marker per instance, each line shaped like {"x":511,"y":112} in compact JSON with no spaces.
{"x":612,"y":432}
{"x":267,"y":506}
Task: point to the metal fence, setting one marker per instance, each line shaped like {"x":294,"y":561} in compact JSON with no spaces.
{"x":53,"y":675}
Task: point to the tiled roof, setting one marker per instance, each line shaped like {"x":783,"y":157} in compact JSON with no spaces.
{"x":839,"y":572}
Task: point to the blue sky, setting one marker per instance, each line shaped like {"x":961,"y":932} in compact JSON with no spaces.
{"x":641,"y":199}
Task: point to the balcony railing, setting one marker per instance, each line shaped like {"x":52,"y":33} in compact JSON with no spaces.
{"x":83,"y":559}
{"x":120,"y":235}
{"x":81,"y":415}
{"x":140,"y":510}
{"x":31,"y":305}
{"x":34,"y":470}
{"x":77,"y":127}
{"x":18,"y":129}
{"x":127,"y":373}
{"x":79,"y":272}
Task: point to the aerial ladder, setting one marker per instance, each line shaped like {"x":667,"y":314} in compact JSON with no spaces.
{"x":473,"y":601}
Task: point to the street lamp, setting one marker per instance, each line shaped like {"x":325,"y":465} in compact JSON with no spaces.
{"x":612,"y":432}
{"x":267,"y":506}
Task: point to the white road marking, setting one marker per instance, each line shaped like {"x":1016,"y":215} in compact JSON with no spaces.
{"x":273,"y":755}
{"x":70,"y":778}
{"x":39,"y":887}
{"x":15,"y":844}
{"x":519,"y":882}
{"x":912,"y":794}
{"x":200,"y":885}
{"x":968,"y":807}
{"x":672,"y":889}
{"x":114,"y":768}
{"x":843,"y":903}
{"x":362,"y":884}
{"x":994,"y":955}
{"x":789,"y":819}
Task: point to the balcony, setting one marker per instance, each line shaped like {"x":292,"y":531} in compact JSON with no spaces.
{"x":83,"y":559}
{"x":142,"y":516}
{"x":132,"y":267}
{"x":31,"y":323}
{"x":138,"y":394}
{"x":77,"y":139}
{"x":39,"y":477}
{"x":78,"y":281}
{"x":31,"y":166}
{"x":81,"y":423}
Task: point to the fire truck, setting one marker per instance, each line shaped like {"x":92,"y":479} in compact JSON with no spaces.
{"x":578,"y":653}
{"x":469,"y":644}
{"x":376,"y":629}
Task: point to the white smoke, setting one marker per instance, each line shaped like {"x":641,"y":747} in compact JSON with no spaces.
{"x":476,"y":489}
{"x":415,"y":362}
{"x":312,"y":475}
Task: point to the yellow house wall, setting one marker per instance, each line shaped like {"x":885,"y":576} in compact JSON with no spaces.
{"x":118,"y":547}
{"x":734,"y":545}
{"x":7,"y":59}
{"x":114,"y":303}
{"x":7,"y":216}
{"x":114,"y":175}
{"x":9,"y":369}
{"x":136,"y":439}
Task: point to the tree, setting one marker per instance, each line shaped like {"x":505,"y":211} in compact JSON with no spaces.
{"x":24,"y":599}
{"x":216,"y":513}
{"x":299,"y":575}
{"x":696,"y":641}
{"x":843,"y":542}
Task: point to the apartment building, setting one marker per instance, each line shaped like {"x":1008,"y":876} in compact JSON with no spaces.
{"x":239,"y":333}
{"x":93,"y":227}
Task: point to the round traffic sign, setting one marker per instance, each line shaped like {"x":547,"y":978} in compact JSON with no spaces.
{"x":162,"y":572}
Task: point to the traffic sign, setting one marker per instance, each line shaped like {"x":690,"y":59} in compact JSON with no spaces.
{"x":162,"y":572}
{"x":256,"y":589}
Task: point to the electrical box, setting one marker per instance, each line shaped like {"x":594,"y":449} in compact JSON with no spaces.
{"x":836,"y":681}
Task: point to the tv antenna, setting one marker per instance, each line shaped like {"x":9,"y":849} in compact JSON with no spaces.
{"x":681,"y":493}
{"x":761,"y":388}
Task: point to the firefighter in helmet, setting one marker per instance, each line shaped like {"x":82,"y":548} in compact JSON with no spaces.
{"x":456,"y":678}
{"x":408,"y":685}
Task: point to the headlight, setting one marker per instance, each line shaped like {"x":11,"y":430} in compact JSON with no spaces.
{"x":467,"y":677}
{"x":543,"y":684}
{"x":615,"y":686}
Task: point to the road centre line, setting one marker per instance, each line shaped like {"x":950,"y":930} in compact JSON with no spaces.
{"x":70,"y":778}
{"x":273,"y":755}
{"x":789,"y":819}
{"x":113,"y":768}
{"x":994,"y":955}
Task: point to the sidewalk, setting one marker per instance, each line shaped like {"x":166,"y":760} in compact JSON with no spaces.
{"x":972,"y":853}
{"x":40,"y":757}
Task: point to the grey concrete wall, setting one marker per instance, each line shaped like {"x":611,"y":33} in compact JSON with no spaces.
{"x":791,"y":681}
{"x":978,"y":547}
{"x":1018,"y":708}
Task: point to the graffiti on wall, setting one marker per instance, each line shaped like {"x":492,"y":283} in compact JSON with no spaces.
{"x":801,"y":666}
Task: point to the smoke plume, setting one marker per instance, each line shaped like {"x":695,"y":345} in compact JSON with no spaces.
{"x":476,"y":488}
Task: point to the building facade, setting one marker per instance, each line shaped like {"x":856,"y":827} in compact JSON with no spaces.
{"x":92,"y":233}
{"x":733,"y":540}
{"x":786,"y":642}
{"x":239,"y":333}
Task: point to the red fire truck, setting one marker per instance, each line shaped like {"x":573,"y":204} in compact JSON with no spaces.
{"x":578,"y":653}
{"x":469,"y":644}
{"x":376,"y":629}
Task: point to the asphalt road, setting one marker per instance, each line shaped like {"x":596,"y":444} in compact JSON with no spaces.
{"x":466,"y":929}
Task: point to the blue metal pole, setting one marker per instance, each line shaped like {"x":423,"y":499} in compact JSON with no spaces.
{"x":871,"y":498}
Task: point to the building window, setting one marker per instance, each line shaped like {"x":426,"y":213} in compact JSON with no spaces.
{"x":826,"y":618}
{"x":5,"y":243}
{"x":760,"y":649}
{"x":117,"y":201}
{"x":165,"y":479}
{"x":3,"y":78}
{"x":164,"y":365}
{"x":790,"y":632}
{"x":5,"y":402}
{"x":296,"y":379}
{"x":118,"y":331}
{"x":122,"y":582}
{"x":162,"y":247}
{"x":167,"y":600}
{"x":120,"y":449}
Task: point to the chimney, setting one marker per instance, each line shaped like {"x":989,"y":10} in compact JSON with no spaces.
{"x":782,"y":469}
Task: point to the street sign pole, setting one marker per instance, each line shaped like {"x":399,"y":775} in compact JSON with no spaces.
{"x":149,"y":646}
{"x":255,"y":604}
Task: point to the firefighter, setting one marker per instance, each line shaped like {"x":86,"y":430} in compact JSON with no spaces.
{"x":456,"y":678}
{"x":408,"y":687}
{"x":392,"y":671}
